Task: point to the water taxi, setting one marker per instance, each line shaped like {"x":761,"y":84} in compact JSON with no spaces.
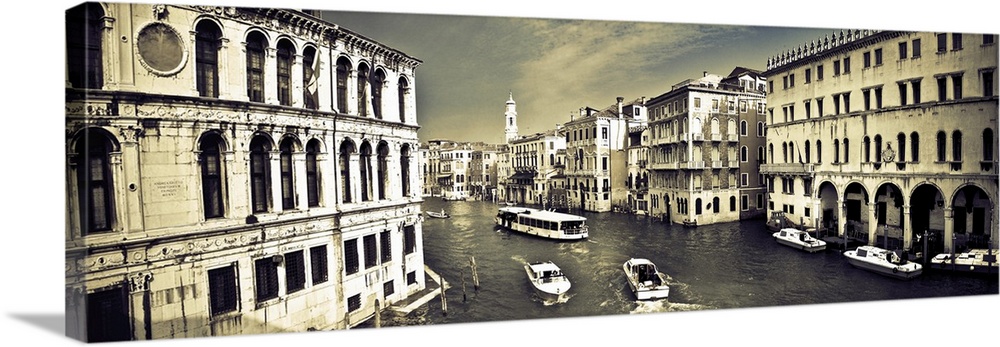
{"x":441,"y":214}
{"x":646,"y":281}
{"x":548,"y":224}
{"x":550,"y":283}
{"x":799,"y":239}
{"x":882,"y":262}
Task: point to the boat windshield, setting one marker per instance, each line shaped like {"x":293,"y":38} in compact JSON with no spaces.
{"x":570,"y":225}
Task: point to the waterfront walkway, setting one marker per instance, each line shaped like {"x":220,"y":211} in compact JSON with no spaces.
{"x":432,"y":290}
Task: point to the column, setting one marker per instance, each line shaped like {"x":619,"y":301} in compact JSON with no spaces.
{"x":872,"y":222}
{"x":907,"y":228}
{"x":271,"y":76}
{"x":275,"y":168}
{"x":352,"y":94}
{"x":355,"y":172}
{"x":296,"y":82}
{"x":300,"y":180}
{"x":223,"y":76}
{"x":129,"y":203}
{"x":229,"y":178}
{"x":328,"y":183}
{"x":140,"y":305}
{"x":243,"y":96}
{"x":949,"y":229}
{"x":841,"y":216}
{"x":325,"y":83}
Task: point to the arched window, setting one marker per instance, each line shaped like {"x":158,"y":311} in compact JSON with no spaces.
{"x":343,"y":69}
{"x":363,"y":92}
{"x":901,"y":147}
{"x":212,"y":175}
{"x":94,"y":183}
{"x":743,"y":127}
{"x":732,"y":203}
{"x":941,"y":145}
{"x":285,"y":54}
{"x":286,"y":148}
{"x":784,"y":152}
{"x":847,"y":151}
{"x":84,"y":25}
{"x":715,"y":204}
{"x":791,"y":151}
{"x":819,"y":151}
{"x":808,"y":154}
{"x":760,"y":154}
{"x":878,"y":148}
{"x":378,"y":80}
{"x":256,"y":43}
{"x":260,"y":173}
{"x":697,"y":206}
{"x":836,"y":150}
{"x":404,"y":89}
{"x":914,"y":146}
{"x":770,"y":149}
{"x":715,"y":125}
{"x":867,"y":146}
{"x":956,"y":145}
{"x":366,"y":166}
{"x":743,"y":154}
{"x":383,"y":170}
{"x":310,"y":78}
{"x":988,"y":145}
{"x":312,"y":173}
{"x":760,"y":129}
{"x":404,"y":164}
{"x":207,"y":42}
{"x":346,"y":150}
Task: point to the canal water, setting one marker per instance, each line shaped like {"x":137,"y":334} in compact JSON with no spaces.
{"x":723,"y":266}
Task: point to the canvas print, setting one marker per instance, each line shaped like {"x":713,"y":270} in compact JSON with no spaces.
{"x":251,"y":170}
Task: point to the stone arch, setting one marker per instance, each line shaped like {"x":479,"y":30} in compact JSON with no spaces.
{"x":856,"y":210}
{"x":889,"y":210}
{"x":972,"y":213}
{"x":927,"y":203}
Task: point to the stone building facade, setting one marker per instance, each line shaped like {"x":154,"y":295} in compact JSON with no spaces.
{"x":596,"y":161}
{"x":533,"y":163}
{"x":885,"y":136}
{"x":235,"y":171}
{"x":694,"y":146}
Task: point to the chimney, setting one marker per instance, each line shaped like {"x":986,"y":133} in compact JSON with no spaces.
{"x":704,"y":74}
{"x":571,"y":116}
{"x":620,"y":99}
{"x":642,"y":101}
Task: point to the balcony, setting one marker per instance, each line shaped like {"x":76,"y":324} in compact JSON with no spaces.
{"x":787,"y":168}
{"x":693,"y":165}
{"x":716,"y":137}
{"x":733,"y":163}
{"x":716,"y":164}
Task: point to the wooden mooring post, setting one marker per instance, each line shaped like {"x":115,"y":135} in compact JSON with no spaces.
{"x":462,"y":273}
{"x":378,"y":314}
{"x":475,"y":274}
{"x":444,"y":300}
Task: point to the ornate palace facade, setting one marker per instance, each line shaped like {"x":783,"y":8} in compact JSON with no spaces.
{"x":235,"y":171}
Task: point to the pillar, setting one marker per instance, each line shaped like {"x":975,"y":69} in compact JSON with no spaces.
{"x":872,"y":221}
{"x":224,"y":87}
{"x":300,"y":180}
{"x":841,"y":216}
{"x":271,"y":76}
{"x":907,"y":228}
{"x":139,"y":307}
{"x":275,"y":167}
{"x":298,"y":100}
{"x":949,"y":229}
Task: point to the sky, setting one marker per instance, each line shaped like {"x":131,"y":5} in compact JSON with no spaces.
{"x":554,"y":67}
{"x":34,"y":140}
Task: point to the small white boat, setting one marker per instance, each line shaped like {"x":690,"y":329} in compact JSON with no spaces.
{"x":441,"y":214}
{"x":646,"y":281}
{"x":883,"y":262}
{"x":799,"y":239}
{"x":973,"y":261}
{"x":548,"y":280}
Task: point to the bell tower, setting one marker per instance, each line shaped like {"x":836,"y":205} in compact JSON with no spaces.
{"x":511,"y":119}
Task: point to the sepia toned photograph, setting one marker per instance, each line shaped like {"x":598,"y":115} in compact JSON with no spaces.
{"x":260,"y":169}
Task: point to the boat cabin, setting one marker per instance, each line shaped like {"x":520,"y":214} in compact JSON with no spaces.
{"x":646,"y":274}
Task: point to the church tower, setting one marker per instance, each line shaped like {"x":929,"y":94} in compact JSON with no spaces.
{"x":511,"y":119}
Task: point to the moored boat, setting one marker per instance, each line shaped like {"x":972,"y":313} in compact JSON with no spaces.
{"x":982,"y":261}
{"x":883,"y":262}
{"x":441,"y":214}
{"x":799,"y":239}
{"x":548,"y":224}
{"x":646,"y":282}
{"x":548,"y":280}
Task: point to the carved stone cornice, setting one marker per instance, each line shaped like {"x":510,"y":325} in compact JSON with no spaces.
{"x":281,"y":20}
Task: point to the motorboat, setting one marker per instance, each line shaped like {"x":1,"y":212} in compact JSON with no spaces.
{"x":973,"y":261}
{"x":799,"y":239}
{"x":548,"y":224}
{"x":550,"y":283}
{"x":646,"y":282}
{"x":883,"y":262}
{"x":441,"y":214}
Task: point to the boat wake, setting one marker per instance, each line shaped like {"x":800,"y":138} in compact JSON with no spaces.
{"x":562,"y":300}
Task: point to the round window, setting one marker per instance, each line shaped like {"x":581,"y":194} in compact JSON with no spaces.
{"x":161,"y":49}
